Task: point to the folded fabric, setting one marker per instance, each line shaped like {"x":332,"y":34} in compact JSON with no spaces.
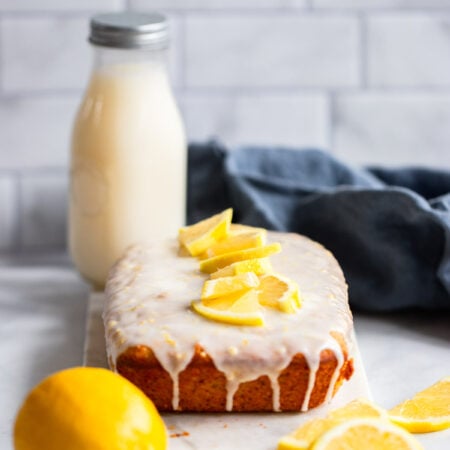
{"x":388,"y":228}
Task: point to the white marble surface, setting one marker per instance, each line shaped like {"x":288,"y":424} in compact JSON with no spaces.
{"x":223,"y":431}
{"x":43,"y":310}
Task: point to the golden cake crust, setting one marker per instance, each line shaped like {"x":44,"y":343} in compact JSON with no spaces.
{"x":203,"y":388}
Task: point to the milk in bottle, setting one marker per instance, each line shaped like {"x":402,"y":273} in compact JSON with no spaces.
{"x":128,"y":160}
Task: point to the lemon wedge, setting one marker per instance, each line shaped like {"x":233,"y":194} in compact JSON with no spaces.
{"x":202,"y":235}
{"x":259,"y":266}
{"x":224,"y":286}
{"x":241,"y":310}
{"x":303,"y":437}
{"x":279,"y":292}
{"x":428,"y":410}
{"x":210,"y":265}
{"x":235,"y":242}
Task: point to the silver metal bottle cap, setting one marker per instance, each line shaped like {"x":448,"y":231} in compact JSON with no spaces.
{"x":130,"y":30}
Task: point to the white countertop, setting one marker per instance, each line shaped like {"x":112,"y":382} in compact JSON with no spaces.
{"x":43,"y":309}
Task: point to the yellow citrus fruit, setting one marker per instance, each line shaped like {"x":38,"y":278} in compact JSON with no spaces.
{"x":279,"y":292}
{"x":88,"y":409}
{"x":259,"y":266}
{"x":200,"y":236}
{"x":308,"y":433}
{"x":235,"y":310}
{"x":429,"y":410}
{"x":366,"y":434}
{"x":220,"y":287}
{"x":210,"y":265}
{"x":234,"y":242}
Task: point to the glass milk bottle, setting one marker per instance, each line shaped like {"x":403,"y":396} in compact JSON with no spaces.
{"x":128,"y":159}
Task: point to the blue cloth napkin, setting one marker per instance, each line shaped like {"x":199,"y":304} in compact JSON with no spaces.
{"x":388,"y":228}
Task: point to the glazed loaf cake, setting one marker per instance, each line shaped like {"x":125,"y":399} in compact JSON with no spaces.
{"x":185,"y":362}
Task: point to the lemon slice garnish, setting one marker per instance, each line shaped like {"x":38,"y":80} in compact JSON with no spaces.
{"x":224,"y":286}
{"x":243,"y":310}
{"x":235,"y":242}
{"x":258,"y":266}
{"x":202,"y":235}
{"x":279,"y":292}
{"x":210,"y":265}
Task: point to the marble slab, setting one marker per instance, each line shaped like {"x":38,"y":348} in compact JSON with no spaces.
{"x":260,"y":431}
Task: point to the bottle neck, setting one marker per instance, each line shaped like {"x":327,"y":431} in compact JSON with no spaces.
{"x":106,"y":57}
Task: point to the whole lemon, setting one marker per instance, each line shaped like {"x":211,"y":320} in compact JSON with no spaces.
{"x":86,"y":408}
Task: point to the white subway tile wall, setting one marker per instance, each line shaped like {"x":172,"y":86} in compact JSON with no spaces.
{"x":35,"y":130}
{"x":44,"y":53}
{"x":394,"y":128}
{"x":411,"y":50}
{"x":392,"y":4}
{"x":368,"y":80}
{"x":60,"y":5}
{"x":296,"y":120}
{"x":188,"y":5}
{"x":276,"y":50}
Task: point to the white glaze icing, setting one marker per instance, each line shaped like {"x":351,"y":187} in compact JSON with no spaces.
{"x":148,"y":299}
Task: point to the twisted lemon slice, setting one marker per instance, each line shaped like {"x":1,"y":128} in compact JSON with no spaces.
{"x":259,"y":266}
{"x":235,"y":242}
{"x":224,"y":286}
{"x":202,"y":235}
{"x":210,"y":265}
{"x":279,"y":292}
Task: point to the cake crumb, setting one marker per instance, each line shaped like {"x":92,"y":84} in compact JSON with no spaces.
{"x":177,"y":435}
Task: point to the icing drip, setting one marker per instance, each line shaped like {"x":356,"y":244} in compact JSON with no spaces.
{"x":340,"y":361}
{"x":313,"y":364}
{"x":148,"y":300}
{"x":232,"y":387}
{"x":275,"y":392}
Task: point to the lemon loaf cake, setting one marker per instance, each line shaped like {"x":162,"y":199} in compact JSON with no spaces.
{"x":186,"y":362}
